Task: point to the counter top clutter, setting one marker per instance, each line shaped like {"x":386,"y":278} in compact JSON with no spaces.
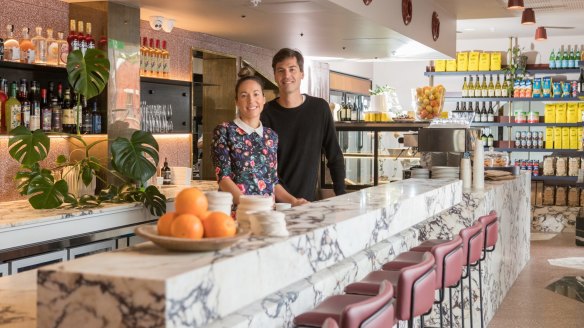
{"x":331,"y":243}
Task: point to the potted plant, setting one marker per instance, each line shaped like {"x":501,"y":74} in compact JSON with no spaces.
{"x":133,"y":161}
{"x":515,"y":69}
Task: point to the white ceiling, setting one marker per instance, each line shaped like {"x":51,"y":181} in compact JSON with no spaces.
{"x":321,"y":28}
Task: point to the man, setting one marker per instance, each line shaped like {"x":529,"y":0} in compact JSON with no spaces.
{"x":305,"y":128}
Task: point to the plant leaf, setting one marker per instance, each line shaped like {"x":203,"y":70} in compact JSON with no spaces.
{"x":154,"y":200}
{"x":46,"y":193}
{"x":61,"y":159}
{"x":28,"y":147}
{"x":88,"y":75}
{"x":129,"y":156}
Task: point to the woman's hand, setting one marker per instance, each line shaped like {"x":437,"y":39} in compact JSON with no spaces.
{"x":299,"y":201}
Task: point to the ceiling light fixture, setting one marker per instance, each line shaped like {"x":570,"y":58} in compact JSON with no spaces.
{"x":367,"y":2}
{"x":528,"y":17}
{"x":540,"y":34}
{"x":515,"y":4}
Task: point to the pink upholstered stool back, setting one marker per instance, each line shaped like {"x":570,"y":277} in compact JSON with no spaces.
{"x":490,"y":224}
{"x":418,"y":282}
{"x":472,"y":243}
{"x":330,"y":323}
{"x":376,"y":311}
{"x":448,"y":255}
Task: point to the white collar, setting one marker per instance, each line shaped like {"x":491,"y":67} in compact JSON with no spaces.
{"x":248,"y":129}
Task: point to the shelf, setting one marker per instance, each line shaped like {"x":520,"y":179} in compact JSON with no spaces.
{"x":553,"y":178}
{"x":538,"y":150}
{"x":165,"y":81}
{"x":370,"y":126}
{"x":455,"y":99}
{"x":526,"y":124}
{"x":368,"y":156}
{"x":32,"y":67}
{"x":528,"y":71}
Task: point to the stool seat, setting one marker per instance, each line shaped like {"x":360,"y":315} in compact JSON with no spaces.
{"x":403,"y":260}
{"x":369,"y":285}
{"x":352,"y":311}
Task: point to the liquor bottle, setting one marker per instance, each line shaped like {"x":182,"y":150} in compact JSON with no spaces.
{"x":505,"y":87}
{"x":89,"y":40}
{"x":159,"y":59}
{"x":464,"y":88}
{"x":484,"y":114}
{"x":463,"y":108}
{"x":24,"y":105}
{"x":144,"y":57}
{"x":490,"y":113}
{"x":45,"y":111}
{"x":470,"y":88}
{"x":59,"y":94}
{"x":165,"y":60}
{"x":1,"y":48}
{"x":3,"y":99}
{"x":478,"y":89}
{"x":484,"y":137}
{"x":153,"y":59}
{"x":491,"y":88}
{"x":565,"y":55}
{"x":571,"y":61}
{"x":12,"y":109}
{"x":498,"y":88}
{"x":11,"y":46}
{"x":68,"y":113}
{"x":35,"y":106}
{"x":52,"y":49}
{"x":484,"y":88}
{"x":552,"y":63}
{"x":56,"y":115}
{"x":490,"y":139}
{"x":166,"y":174}
{"x":27,"y":50}
{"x":581,"y":80}
{"x":81,"y":37}
{"x":86,"y":126}
{"x":72,"y":37}
{"x":102,"y":44}
{"x":40,"y":46}
{"x":95,"y":119}
{"x":63,"y":49}
{"x":559,"y":58}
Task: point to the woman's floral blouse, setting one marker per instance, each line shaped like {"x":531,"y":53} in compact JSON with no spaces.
{"x":249,"y":160}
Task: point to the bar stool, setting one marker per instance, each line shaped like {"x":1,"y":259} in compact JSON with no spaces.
{"x":472,"y":247}
{"x":415,"y":285}
{"x":353,"y":311}
{"x":490,"y":225}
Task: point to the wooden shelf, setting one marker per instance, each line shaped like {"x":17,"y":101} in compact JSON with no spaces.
{"x":32,"y":67}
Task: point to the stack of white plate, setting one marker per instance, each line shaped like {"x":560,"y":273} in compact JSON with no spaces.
{"x":219,"y":201}
{"x":268,"y":223}
{"x":445,"y":172}
{"x":180,"y":175}
{"x":252,"y":203}
{"x":420,"y":173}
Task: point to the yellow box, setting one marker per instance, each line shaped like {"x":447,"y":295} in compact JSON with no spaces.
{"x":549,"y":138}
{"x":580,"y":137}
{"x":557,"y":138}
{"x":561,"y":112}
{"x":574,"y":138}
{"x":440,"y":65}
{"x":473,"y":61}
{"x":484,"y":61}
{"x":451,"y":65}
{"x":462,"y":61}
{"x":580,"y":111}
{"x":495,"y":61}
{"x":566,"y":138}
{"x":550,"y":113}
{"x":572,"y":113}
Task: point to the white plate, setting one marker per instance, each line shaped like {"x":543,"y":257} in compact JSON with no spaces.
{"x":181,"y":244}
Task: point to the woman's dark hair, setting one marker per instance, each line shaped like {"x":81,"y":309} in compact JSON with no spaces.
{"x":246,"y":74}
{"x":287,"y":53}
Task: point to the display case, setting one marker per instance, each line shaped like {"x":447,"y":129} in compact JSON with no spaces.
{"x":373,"y":153}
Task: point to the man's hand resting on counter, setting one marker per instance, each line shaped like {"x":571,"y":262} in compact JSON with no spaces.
{"x":299,"y":201}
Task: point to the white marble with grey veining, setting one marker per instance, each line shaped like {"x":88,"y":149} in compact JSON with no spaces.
{"x":554,"y":218}
{"x":148,"y":285}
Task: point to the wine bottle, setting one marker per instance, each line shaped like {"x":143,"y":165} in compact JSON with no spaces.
{"x":12,"y":109}
{"x":491,"y":113}
{"x":490,"y":139}
{"x":498,"y":88}
{"x":505,"y":88}
{"x":484,"y":137}
{"x":457,"y":106}
{"x":24,"y":105}
{"x":464,"y":89}
{"x":491,"y":89}
{"x":95,"y":119}
{"x":470,"y":88}
{"x":552,"y":64}
{"x":478,"y":91}
{"x":581,"y":81}
{"x":484,"y":114}
{"x":484,"y":88}
{"x":166,"y":175}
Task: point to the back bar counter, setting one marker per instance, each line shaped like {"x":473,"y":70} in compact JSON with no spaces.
{"x":265,"y":282}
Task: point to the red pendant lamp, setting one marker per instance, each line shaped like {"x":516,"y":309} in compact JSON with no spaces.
{"x":515,"y":4}
{"x":540,"y":34}
{"x":528,"y":17}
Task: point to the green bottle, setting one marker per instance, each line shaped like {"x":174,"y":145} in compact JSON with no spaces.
{"x":12,"y":109}
{"x":552,"y":60}
{"x":571,"y":61}
{"x":559,"y":59}
{"x":577,"y":57}
{"x":565,"y":60}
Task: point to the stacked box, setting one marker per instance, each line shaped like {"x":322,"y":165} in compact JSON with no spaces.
{"x":495,"y":61}
{"x":557,"y":138}
{"x":440,"y":65}
{"x":566,"y":138}
{"x":574,"y":140}
{"x":561,"y":109}
{"x":580,"y":111}
{"x":473,"y":61}
{"x":484,"y":61}
{"x":550,"y":113}
{"x":462,"y":61}
{"x":451,"y":65}
{"x":549,"y":138}
{"x":572,"y":112}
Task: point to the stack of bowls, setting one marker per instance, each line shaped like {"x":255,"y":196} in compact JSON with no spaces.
{"x":420,"y":173}
{"x":180,"y":175}
{"x":268,"y":223}
{"x":445,"y":172}
{"x":219,"y":201}
{"x":252,"y":203}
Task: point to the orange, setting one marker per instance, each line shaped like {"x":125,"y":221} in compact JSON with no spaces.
{"x":219,"y":224}
{"x":186,"y":226}
{"x":204,"y":216}
{"x":191,"y":201}
{"x":164,"y":222}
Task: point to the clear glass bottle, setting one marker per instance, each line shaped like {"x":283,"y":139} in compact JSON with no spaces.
{"x":498,"y":88}
{"x":35,"y":106}
{"x":56,"y":115}
{"x":24,"y":104}
{"x":63,"y":49}
{"x":52,"y":49}
{"x":81,"y":41}
{"x":11,"y":46}
{"x":491,"y":87}
{"x":552,"y":60}
{"x":46,"y":111}
{"x":27,"y":49}
{"x":89,"y":40}
{"x":40,"y":46}
{"x":484,"y":88}
{"x":72,"y":37}
{"x":471,"y":89}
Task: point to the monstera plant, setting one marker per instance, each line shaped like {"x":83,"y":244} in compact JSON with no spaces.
{"x":133,"y":161}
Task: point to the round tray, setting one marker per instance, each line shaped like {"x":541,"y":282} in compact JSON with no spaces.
{"x":187,"y":245}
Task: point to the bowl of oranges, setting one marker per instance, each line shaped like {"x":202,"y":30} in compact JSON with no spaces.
{"x":191,"y":227}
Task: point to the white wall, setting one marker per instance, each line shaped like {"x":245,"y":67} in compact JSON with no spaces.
{"x":353,"y":68}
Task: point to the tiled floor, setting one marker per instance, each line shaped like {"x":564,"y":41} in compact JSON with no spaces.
{"x":529,"y":303}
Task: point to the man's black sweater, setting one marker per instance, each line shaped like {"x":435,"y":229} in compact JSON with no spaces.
{"x":304,"y":133}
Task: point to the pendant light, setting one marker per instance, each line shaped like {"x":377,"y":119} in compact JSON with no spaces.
{"x":515,"y":4}
{"x":528,"y":17}
{"x":540,"y":34}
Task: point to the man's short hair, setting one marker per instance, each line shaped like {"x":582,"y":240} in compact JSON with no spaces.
{"x":285,"y":53}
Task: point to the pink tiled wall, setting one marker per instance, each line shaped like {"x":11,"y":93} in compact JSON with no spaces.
{"x":33,"y":13}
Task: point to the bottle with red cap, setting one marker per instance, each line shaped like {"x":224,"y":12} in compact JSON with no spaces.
{"x":165,"y":61}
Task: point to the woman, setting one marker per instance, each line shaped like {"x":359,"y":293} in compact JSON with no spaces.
{"x":245,"y":152}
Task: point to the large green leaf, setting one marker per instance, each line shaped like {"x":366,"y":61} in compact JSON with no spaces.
{"x":129,"y":156}
{"x":28,"y":147}
{"x":88,"y":75}
{"x":47,"y":193}
{"x":155,"y":201}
